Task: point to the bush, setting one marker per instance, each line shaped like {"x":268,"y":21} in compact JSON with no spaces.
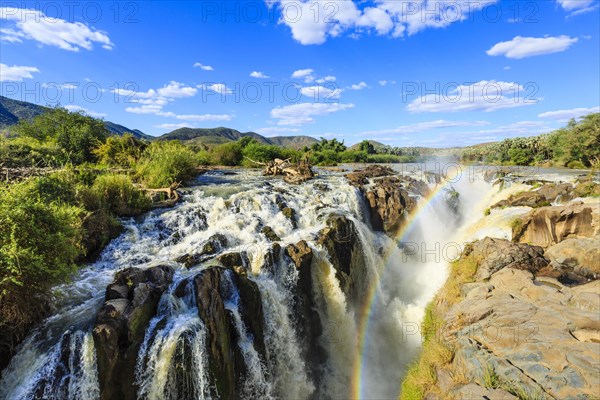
{"x":164,"y":163}
{"x":28,"y":152}
{"x":120,"y":196}
{"x":229,"y":154}
{"x":265,"y":153}
{"x":123,"y":151}
{"x":75,"y":133}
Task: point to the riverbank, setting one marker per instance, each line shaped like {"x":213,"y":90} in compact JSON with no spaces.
{"x":518,"y":316}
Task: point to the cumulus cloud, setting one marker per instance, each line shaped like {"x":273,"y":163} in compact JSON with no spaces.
{"x":321,"y":92}
{"x":328,"y":78}
{"x":259,"y":75}
{"x":358,"y":86}
{"x":27,"y":24}
{"x":480,"y":96}
{"x":522,"y":47}
{"x":568,"y":114}
{"x":305,"y":74}
{"x":303,"y":113}
{"x":173,"y":126}
{"x":16,"y":73}
{"x":153,"y":101}
{"x":220,"y":88}
{"x":203,"y":67}
{"x":575,"y":5}
{"x":313,"y":21}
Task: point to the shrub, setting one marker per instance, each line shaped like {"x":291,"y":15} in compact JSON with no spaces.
{"x":28,"y":152}
{"x":119,"y":195}
{"x":123,"y":151}
{"x":164,"y":163}
{"x":229,"y":154}
{"x":75,"y":133}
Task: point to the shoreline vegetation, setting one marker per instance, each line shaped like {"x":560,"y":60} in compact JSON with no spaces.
{"x":87,"y":179}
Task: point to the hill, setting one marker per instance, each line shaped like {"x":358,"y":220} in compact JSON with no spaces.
{"x":223,"y":135}
{"x":376,"y":145}
{"x":12,"y":111}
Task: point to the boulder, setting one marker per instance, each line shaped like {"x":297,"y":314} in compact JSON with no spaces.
{"x":389,"y":204}
{"x":341,"y":241}
{"x":491,"y":255}
{"x":131,"y":301}
{"x":213,"y":245}
{"x":362,"y":176}
{"x":543,"y":196}
{"x":581,"y":256}
{"x":270,"y":234}
{"x":546,"y":226}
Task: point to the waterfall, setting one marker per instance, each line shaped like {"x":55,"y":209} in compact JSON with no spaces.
{"x":368,"y":344}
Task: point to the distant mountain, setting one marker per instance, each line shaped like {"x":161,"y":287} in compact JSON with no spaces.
{"x":12,"y":111}
{"x":223,"y":135}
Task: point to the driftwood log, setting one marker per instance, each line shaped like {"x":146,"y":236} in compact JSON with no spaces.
{"x":164,"y":197}
{"x":292,"y":173}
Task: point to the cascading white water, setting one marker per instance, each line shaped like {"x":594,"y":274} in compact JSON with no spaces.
{"x":237,"y":207}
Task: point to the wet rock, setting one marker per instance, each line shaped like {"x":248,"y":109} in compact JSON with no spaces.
{"x":556,"y":192}
{"x":341,"y":241}
{"x":526,"y":199}
{"x":226,"y":365}
{"x":233,"y":260}
{"x":270,"y":234}
{"x":131,"y":301}
{"x":361,"y":177}
{"x":309,"y":324}
{"x":389,"y":204}
{"x":215,"y":244}
{"x":546,"y":226}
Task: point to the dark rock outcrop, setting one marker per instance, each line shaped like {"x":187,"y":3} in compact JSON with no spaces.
{"x":309,"y":324}
{"x":131,"y":301}
{"x":342,"y":243}
{"x":215,"y":244}
{"x":270,"y":234}
{"x":389,"y":203}
{"x":362,"y":176}
{"x":213,"y":290}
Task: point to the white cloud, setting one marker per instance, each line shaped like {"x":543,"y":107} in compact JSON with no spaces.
{"x":359,"y":86}
{"x":258,"y":75}
{"x":35,"y":25}
{"x":506,"y":68}
{"x":173,"y":126}
{"x":480,"y":96}
{"x":571,"y":5}
{"x":425,"y":126}
{"x":328,"y":78}
{"x":383,"y":83}
{"x":204,"y":67}
{"x":302,"y":113}
{"x":220,"y":88}
{"x":205,"y":117}
{"x":16,"y":73}
{"x":72,"y":107}
{"x":305,"y":74}
{"x":274,"y":131}
{"x":568,"y":114}
{"x":321,"y":92}
{"x":313,"y":21}
{"x":521,"y":47}
{"x":176,"y":90}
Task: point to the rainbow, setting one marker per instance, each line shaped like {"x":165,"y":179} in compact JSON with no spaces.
{"x":364,"y":314}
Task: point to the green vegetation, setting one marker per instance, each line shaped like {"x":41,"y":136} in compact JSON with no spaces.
{"x":164,"y":163}
{"x":575,"y":146}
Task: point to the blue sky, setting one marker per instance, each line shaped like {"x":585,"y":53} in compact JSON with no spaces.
{"x":429,"y":73}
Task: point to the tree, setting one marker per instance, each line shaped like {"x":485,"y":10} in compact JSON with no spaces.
{"x":367,"y":147}
{"x":75,"y":133}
